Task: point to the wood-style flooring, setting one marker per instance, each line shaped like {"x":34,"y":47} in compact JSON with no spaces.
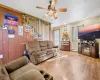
{"x":72,"y":66}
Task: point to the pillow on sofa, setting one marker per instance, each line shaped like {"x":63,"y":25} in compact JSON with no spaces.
{"x":3,"y":73}
{"x":16,"y":64}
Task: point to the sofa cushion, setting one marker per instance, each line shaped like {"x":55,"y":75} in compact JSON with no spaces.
{"x":43,"y":48}
{"x":31,"y":75}
{"x":16,"y":64}
{"x":50,"y":44}
{"x":14,"y":75}
{"x":49,"y":50}
{"x":41,"y":53}
{"x":43,"y":43}
{"x":33,"y":45}
{"x":3,"y":73}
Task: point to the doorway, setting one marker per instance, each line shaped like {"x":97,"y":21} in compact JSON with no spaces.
{"x":56,"y":37}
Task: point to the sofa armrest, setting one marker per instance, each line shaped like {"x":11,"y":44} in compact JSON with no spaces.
{"x":31,"y":75}
{"x":33,"y":56}
{"x":16,"y":64}
{"x":3,"y":73}
{"x":33,"y":51}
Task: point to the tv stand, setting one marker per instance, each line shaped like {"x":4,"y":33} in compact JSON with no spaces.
{"x":89,"y":48}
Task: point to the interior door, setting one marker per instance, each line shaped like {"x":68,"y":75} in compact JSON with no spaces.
{"x":56,"y":37}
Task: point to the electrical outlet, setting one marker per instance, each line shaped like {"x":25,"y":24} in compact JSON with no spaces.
{"x":1,"y":56}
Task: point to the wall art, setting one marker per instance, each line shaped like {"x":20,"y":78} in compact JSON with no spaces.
{"x":10,"y":20}
{"x":20,"y":30}
{"x":4,"y":27}
{"x":11,"y":33}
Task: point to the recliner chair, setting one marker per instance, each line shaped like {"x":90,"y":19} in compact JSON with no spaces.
{"x":22,"y":69}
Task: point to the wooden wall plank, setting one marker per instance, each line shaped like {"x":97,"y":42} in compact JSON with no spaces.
{"x":11,"y":48}
{"x":0,"y":41}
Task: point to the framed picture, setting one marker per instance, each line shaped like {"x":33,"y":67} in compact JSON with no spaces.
{"x":4,"y":27}
{"x":10,"y":20}
{"x":11,"y":33}
{"x":20,"y":30}
{"x":28,"y":28}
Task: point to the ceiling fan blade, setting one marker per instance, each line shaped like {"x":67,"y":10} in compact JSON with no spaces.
{"x":53,"y":3}
{"x":41,"y":8}
{"x":62,"y":10}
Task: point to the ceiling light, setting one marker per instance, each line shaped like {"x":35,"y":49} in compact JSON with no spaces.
{"x":56,"y":14}
{"x":51,"y":12}
{"x":53,"y":17}
{"x":46,"y":15}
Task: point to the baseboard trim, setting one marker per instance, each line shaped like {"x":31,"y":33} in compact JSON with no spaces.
{"x":74,"y":50}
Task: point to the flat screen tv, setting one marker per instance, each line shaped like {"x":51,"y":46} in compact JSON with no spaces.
{"x":89,"y":32}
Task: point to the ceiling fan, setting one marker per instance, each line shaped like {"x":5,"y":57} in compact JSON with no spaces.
{"x":52,"y":11}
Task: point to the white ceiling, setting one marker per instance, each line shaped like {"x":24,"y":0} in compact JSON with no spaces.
{"x":77,"y":9}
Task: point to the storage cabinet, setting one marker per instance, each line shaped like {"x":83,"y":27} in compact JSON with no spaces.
{"x":65,"y":45}
{"x":89,"y":48}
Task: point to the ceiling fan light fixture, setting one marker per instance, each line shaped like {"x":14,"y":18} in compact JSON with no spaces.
{"x":51,"y":12}
{"x":52,"y":17}
{"x":56,"y":14}
{"x":46,"y":15}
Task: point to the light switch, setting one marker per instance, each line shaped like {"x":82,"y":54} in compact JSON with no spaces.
{"x":1,"y":56}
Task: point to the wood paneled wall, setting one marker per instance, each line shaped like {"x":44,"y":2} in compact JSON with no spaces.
{"x":12,"y":48}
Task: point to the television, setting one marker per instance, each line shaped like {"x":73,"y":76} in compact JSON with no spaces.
{"x":89,"y":32}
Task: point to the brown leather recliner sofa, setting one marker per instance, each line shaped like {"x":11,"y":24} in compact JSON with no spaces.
{"x":40,"y":51}
{"x":22,"y":69}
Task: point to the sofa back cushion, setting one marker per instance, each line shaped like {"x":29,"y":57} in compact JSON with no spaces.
{"x":16,"y":64}
{"x":43,"y":45}
{"x":43,"y":48}
{"x":33,"y":45}
{"x":3,"y":73}
{"x":50,"y":44}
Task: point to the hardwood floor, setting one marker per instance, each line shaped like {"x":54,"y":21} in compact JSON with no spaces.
{"x":72,"y":66}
